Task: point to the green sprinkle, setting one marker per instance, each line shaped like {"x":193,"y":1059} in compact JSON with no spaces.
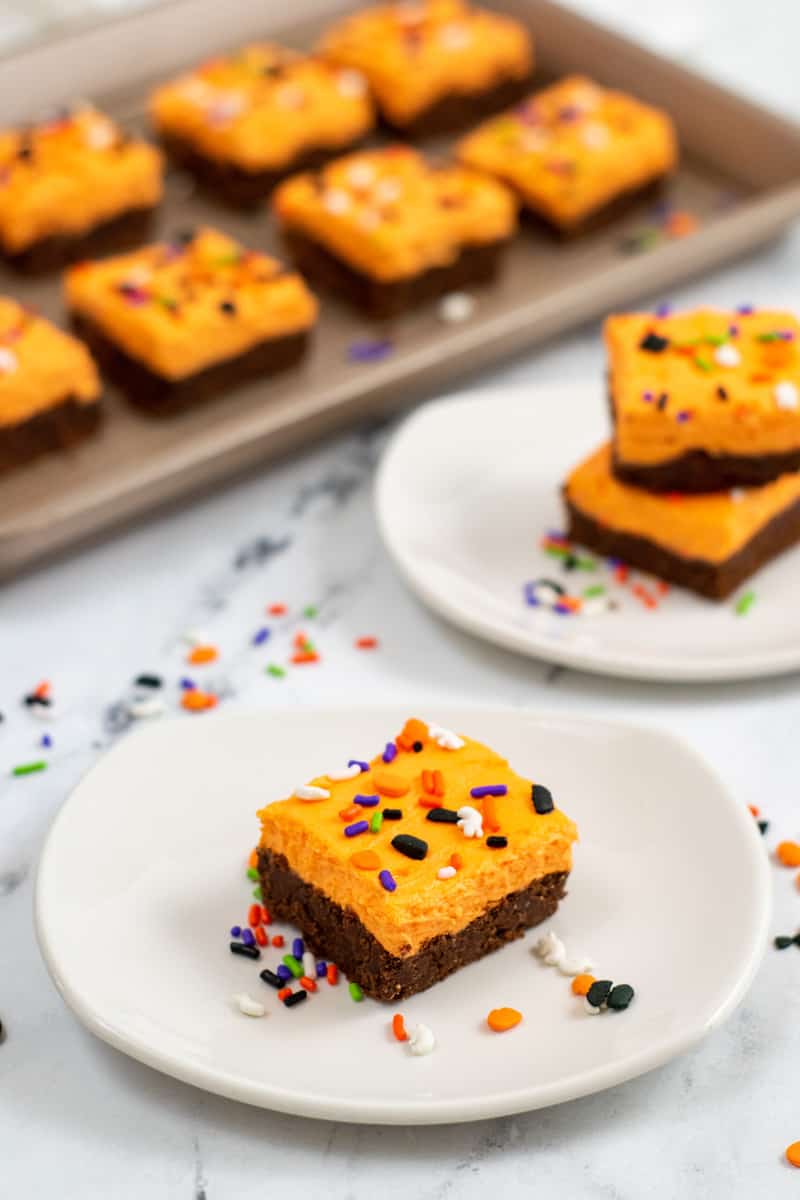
{"x":275,"y":671}
{"x":768,"y":337}
{"x":257,"y":894}
{"x":376,"y":822}
{"x":309,"y":612}
{"x":356,"y":992}
{"x":556,"y":551}
{"x":745,"y":603}
{"x":586,"y":564}
{"x":29,"y":768}
{"x":596,"y":589}
{"x":703,"y":363}
{"x":252,"y":873}
{"x":716,"y":339}
{"x":294,"y":965}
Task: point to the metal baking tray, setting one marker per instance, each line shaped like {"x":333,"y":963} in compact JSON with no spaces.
{"x":740,"y":176}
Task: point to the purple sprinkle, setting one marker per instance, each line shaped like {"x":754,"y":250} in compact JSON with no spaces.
{"x":787,"y":335}
{"x":648,"y":397}
{"x":260,"y":636}
{"x":322,"y":969}
{"x":561,"y":609}
{"x":283,"y":972}
{"x":489,"y":789}
{"x":390,"y":753}
{"x":663,"y":310}
{"x":133,"y":294}
{"x":683,"y":416}
{"x":615,"y":562}
{"x":356,"y":828}
{"x":387,"y":879}
{"x":366,"y":801}
{"x":236,"y":931}
{"x":745,"y":310}
{"x":556,"y":535}
{"x":530,"y":595}
{"x":733,"y":330}
{"x":358,"y":762}
{"x":248,"y":937}
{"x":569,"y":112}
{"x":46,"y":741}
{"x":369,"y":351}
{"x":188,"y":685}
{"x":298,"y":948}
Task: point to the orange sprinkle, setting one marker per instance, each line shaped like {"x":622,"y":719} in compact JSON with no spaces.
{"x":389,"y":784}
{"x":490,"y":818}
{"x":413,"y":731}
{"x":581,"y":984}
{"x":253,"y":859}
{"x":366,"y":643}
{"x":310,"y":985}
{"x":501,"y":1019}
{"x":196,"y":701}
{"x":254,"y":915}
{"x":754,"y":809}
{"x":260,"y":935}
{"x":203,"y":654}
{"x":332,"y":974}
{"x":277,"y":941}
{"x":661,"y":587}
{"x":347,"y":814}
{"x":284,"y":992}
{"x":621,"y":573}
{"x":429,"y":802}
{"x":305,"y":656}
{"x":365,"y":860}
{"x":266,"y":919}
{"x":788,"y":853}
{"x":681,"y":224}
{"x":793,"y":1154}
{"x":42,"y":690}
{"x":571,"y":603}
{"x":399,"y":1027}
{"x":456,"y":861}
{"x":276,"y":610}
{"x":301,"y":640}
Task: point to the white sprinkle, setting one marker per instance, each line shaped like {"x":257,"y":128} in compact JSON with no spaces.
{"x":546,"y":595}
{"x":421,"y":1040}
{"x":360,"y":174}
{"x":43,"y":712}
{"x":455,"y":308}
{"x":388,"y":190}
{"x":352,"y":84}
{"x":309,"y":965}
{"x":591,"y":1009}
{"x":8,"y":361}
{"x":146,"y":706}
{"x":290,"y":96}
{"x":551,"y":948}
{"x":446,"y":872}
{"x":737,"y":494}
{"x":595,"y":135}
{"x":470,"y":821}
{"x":344,"y":773}
{"x":592,"y":606}
{"x":309,"y":792}
{"x":100,"y":135}
{"x":454,"y":36}
{"x":727,"y":355}
{"x":575,"y":966}
{"x":336,"y":201}
{"x":248,"y":1006}
{"x":445,"y":738}
{"x":786,"y":395}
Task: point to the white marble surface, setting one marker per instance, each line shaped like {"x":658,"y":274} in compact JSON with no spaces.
{"x":79,"y":1120}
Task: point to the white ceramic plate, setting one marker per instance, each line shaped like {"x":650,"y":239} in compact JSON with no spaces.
{"x":464,"y":493}
{"x":142,"y":876}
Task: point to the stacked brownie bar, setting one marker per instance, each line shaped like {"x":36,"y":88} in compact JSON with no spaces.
{"x":701,"y":483}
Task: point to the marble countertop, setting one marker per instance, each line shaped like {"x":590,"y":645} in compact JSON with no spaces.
{"x":80,"y":1120}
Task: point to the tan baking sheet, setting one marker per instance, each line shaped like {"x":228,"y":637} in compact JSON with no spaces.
{"x":740,"y":177}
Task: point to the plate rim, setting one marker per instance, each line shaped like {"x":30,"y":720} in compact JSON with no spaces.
{"x":654,"y":669}
{"x":274,"y":1097}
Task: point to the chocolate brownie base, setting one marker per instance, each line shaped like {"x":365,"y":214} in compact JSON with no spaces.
{"x":381,"y":299}
{"x":715,"y":581}
{"x":336,"y":934}
{"x":164,"y":397}
{"x":234,"y":185}
{"x":696,"y":471}
{"x":601,"y":218}
{"x":124,"y":232}
{"x":459,"y":110}
{"x":57,"y":428}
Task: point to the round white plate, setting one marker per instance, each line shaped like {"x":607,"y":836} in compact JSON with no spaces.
{"x":142,"y":876}
{"x":464,"y":493}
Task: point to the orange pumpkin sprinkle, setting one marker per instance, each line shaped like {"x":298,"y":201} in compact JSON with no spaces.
{"x":789,"y":854}
{"x":389,"y":784}
{"x":793,"y":1154}
{"x":581,"y":984}
{"x":502,"y":1019}
{"x":203,"y":654}
{"x":365,"y":860}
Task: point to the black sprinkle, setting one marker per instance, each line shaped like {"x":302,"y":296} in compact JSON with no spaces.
{"x":783,"y":943}
{"x":570,"y":562}
{"x":722,"y":393}
{"x":417,"y":747}
{"x":149,"y":681}
{"x":412,"y":847}
{"x":662,"y":401}
{"x":599,"y":992}
{"x":393,"y":814}
{"x":653,"y":343}
{"x":497,"y":841}
{"x":245,"y":951}
{"x":2,"y":1033}
{"x":185,"y":236}
{"x":272,"y":979}
{"x":443,"y":816}
{"x":620,"y":996}
{"x":25,"y":151}
{"x":542,"y":799}
{"x":763,"y":826}
{"x":295,"y":998}
{"x":227,"y":306}
{"x":33,"y":701}
{"x":554,"y":584}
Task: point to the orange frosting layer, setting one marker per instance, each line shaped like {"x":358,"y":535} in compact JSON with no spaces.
{"x":40,"y":367}
{"x":573,"y":148}
{"x":391,"y":215}
{"x":710,"y":527}
{"x":724,"y":376}
{"x":179,"y":308}
{"x":413,"y":54}
{"x":310,"y":835}
{"x":69,"y":175}
{"x":263,"y":107}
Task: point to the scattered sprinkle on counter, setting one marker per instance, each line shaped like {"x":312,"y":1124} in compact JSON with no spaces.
{"x":500,"y":1020}
{"x":793,"y":1154}
{"x":788,"y":853}
{"x":744,"y":603}
{"x":31,"y":768}
{"x":355,"y":992}
{"x":399,"y":1028}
